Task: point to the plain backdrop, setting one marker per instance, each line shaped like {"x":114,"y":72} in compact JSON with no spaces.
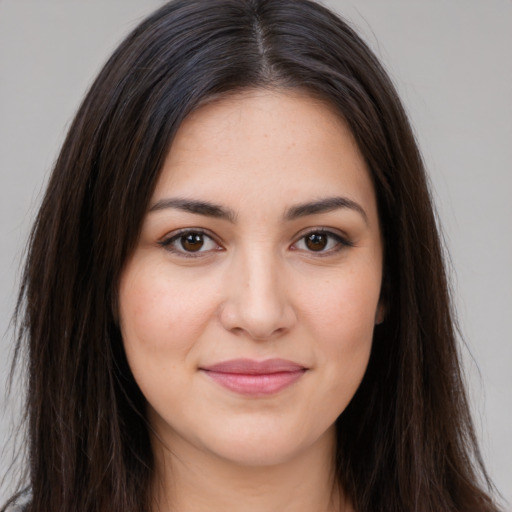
{"x":451,"y":61}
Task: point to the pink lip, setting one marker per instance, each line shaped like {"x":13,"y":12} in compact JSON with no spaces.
{"x":255,"y":378}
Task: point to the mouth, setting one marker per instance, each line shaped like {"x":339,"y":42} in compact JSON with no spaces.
{"x":255,"y":378}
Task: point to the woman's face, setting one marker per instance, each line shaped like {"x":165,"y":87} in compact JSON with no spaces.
{"x":248,"y":307}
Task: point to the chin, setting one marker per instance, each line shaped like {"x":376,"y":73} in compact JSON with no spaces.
{"x":257,"y":455}
{"x":269,"y":445}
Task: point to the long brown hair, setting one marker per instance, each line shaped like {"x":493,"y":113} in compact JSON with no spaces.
{"x":406,"y":441}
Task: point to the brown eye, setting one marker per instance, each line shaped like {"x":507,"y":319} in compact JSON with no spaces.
{"x":192,"y":242}
{"x":316,"y":241}
{"x":322,"y":242}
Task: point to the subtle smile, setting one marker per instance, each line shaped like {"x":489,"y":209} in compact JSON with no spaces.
{"x":255,"y":378}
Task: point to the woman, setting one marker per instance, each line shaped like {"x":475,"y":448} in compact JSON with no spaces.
{"x":234,"y":297}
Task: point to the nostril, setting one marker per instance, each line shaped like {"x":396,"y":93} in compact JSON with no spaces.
{"x":259,"y":325}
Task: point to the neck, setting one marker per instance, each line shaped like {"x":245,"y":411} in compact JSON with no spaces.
{"x":196,"y":481}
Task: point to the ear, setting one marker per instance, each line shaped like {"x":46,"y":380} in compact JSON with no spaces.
{"x":380,"y":314}
{"x":382,"y":306}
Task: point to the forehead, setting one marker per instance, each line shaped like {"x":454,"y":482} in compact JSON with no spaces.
{"x":283,"y":145}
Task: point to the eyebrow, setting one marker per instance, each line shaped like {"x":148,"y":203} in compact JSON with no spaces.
{"x":220,"y":212}
{"x":193,"y":206}
{"x":323,"y":206}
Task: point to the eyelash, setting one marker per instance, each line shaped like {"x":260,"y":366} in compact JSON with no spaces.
{"x":168,"y":242}
{"x":340,"y":243}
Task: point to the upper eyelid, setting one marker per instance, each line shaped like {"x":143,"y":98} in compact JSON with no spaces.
{"x":168,"y":237}
{"x":324,"y":230}
{"x":338,"y":234}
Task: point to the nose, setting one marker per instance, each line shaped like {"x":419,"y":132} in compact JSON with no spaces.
{"x":257,"y":302}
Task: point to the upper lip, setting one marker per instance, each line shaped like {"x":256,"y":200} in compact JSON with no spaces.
{"x":253,"y":367}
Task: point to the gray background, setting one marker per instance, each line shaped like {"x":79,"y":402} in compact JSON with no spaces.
{"x":451,"y":61}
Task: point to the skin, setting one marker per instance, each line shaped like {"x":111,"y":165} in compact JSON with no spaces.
{"x":255,"y":289}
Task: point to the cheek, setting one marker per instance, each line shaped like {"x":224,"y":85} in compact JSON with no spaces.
{"x":341,"y":317}
{"x":159,"y":314}
{"x":346,"y":302}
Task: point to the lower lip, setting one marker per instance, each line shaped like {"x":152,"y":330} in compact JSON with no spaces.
{"x":256,"y":385}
